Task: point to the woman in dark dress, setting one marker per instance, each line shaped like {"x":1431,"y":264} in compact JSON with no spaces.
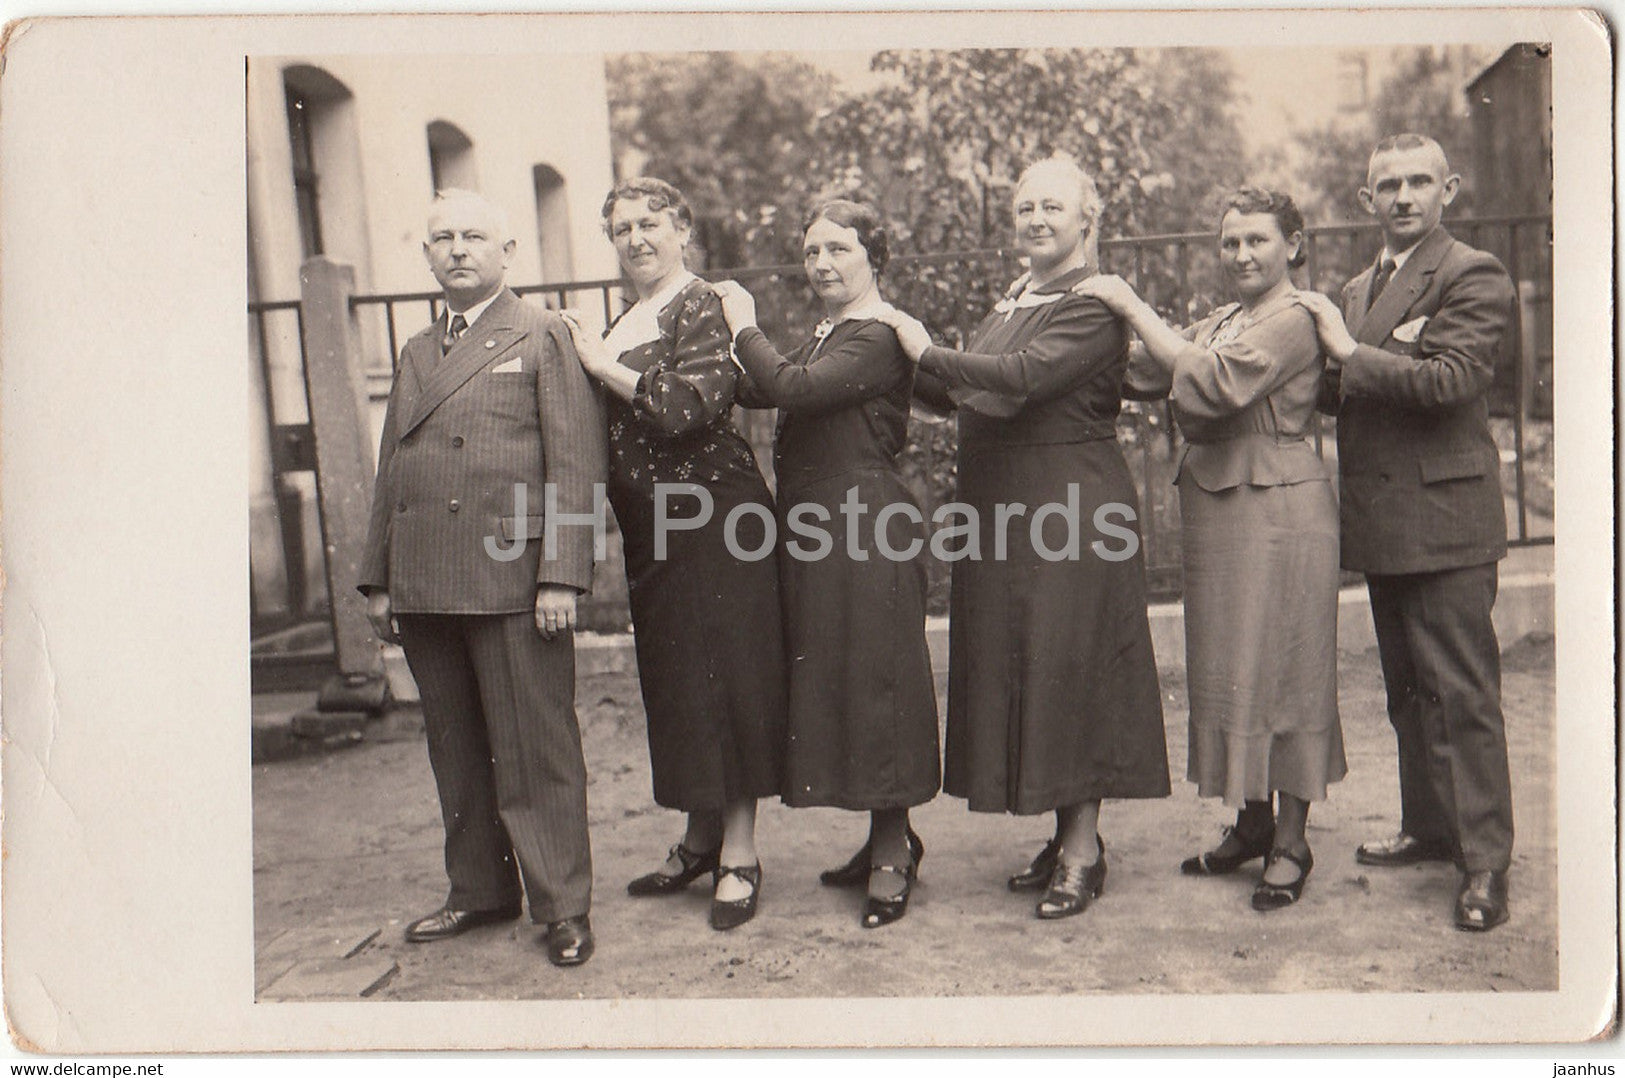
{"x":1260,"y":543}
{"x":707,"y":624}
{"x":1053,"y":702}
{"x":863,"y":712}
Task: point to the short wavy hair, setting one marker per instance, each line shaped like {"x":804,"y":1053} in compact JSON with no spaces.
{"x":1278,"y":204}
{"x":861,"y":218}
{"x":660,"y":195}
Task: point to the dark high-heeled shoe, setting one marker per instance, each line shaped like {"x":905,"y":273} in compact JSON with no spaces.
{"x":883,"y":911}
{"x":1216,"y":862}
{"x":694,"y":865}
{"x":855,"y":873}
{"x":1274,"y":896}
{"x":1037,"y":875}
{"x":734,"y":912}
{"x":1073,"y":887}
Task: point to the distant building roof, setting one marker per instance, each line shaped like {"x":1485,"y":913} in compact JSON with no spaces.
{"x":1514,"y":52}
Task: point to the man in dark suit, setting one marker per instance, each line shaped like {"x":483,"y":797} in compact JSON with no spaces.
{"x":1422,"y":513}
{"x":489,"y":398}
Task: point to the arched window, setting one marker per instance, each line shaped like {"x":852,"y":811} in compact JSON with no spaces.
{"x":451,"y":158}
{"x":306,"y":181}
{"x":552,"y":224}
{"x":326,"y":164}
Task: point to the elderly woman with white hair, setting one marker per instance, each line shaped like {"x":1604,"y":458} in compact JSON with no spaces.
{"x":1053,"y":701}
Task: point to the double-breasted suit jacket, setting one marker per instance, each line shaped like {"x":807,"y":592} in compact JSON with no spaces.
{"x":1423,"y":518}
{"x":1421,"y":484}
{"x":507,"y":405}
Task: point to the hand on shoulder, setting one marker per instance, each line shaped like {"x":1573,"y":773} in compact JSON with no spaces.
{"x":1110,"y":289}
{"x":1334,"y":335}
{"x":911,"y":332}
{"x":738,"y":305}
{"x":589,"y":346}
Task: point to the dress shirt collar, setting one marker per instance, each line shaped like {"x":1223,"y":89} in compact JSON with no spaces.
{"x":473,"y":313}
{"x":1399,"y":258}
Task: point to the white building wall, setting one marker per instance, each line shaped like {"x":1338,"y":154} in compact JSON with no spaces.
{"x":518,"y":112}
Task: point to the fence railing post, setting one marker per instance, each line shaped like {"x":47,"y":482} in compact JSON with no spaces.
{"x":336,"y":388}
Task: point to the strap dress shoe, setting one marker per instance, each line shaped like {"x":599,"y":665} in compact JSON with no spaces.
{"x":694,"y":865}
{"x":878,"y":912}
{"x":855,"y":873}
{"x":731,"y":913}
{"x":1235,"y":849}
{"x":1402,"y":849}
{"x":569,"y":942}
{"x":1275,"y":896}
{"x":1481,"y":904}
{"x":446,"y":922}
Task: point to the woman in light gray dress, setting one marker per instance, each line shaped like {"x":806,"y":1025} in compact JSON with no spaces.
{"x":1260,"y":543}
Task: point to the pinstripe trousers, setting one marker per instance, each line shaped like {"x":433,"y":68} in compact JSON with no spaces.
{"x":499,"y":707}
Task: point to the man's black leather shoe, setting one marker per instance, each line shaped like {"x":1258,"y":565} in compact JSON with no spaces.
{"x":1402,"y":849}
{"x":1482,"y":902}
{"x":569,"y":942}
{"x":446,"y":922}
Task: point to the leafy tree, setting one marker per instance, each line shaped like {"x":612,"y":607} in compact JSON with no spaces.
{"x":1425,"y":93}
{"x":941,"y":142}
{"x":937,"y":144}
{"x":731,"y":130}
{"x":1202,"y":151}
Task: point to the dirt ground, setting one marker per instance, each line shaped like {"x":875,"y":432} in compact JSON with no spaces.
{"x":347,"y":850}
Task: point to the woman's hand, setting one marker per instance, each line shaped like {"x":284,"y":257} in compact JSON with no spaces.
{"x":1111,"y":290}
{"x":911,"y":332}
{"x":589,"y":346}
{"x":1334,"y":335}
{"x":738,"y":305}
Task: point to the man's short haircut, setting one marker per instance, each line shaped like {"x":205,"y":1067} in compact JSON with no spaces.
{"x":1408,"y":140}
{"x":462,"y":194}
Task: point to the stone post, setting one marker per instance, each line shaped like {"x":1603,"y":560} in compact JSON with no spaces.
{"x":344,"y":475}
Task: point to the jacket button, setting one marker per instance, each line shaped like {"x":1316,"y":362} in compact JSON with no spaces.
{"x":454,"y":506}
{"x":457,"y":442}
{"x":400,"y":507}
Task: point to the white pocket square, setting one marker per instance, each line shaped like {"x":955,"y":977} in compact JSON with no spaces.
{"x":1410,"y":331}
{"x":513,"y":366}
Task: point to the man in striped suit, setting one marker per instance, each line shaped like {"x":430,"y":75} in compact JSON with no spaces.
{"x":489,"y":398}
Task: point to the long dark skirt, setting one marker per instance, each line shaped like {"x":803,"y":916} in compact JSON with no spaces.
{"x":710,"y":647}
{"x":1052,"y":693}
{"x":863,"y":711}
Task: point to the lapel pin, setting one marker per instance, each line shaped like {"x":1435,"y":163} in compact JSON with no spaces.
{"x":490,"y":344}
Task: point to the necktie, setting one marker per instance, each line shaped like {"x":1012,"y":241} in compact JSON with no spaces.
{"x":1380,"y":281}
{"x":453,"y":330}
